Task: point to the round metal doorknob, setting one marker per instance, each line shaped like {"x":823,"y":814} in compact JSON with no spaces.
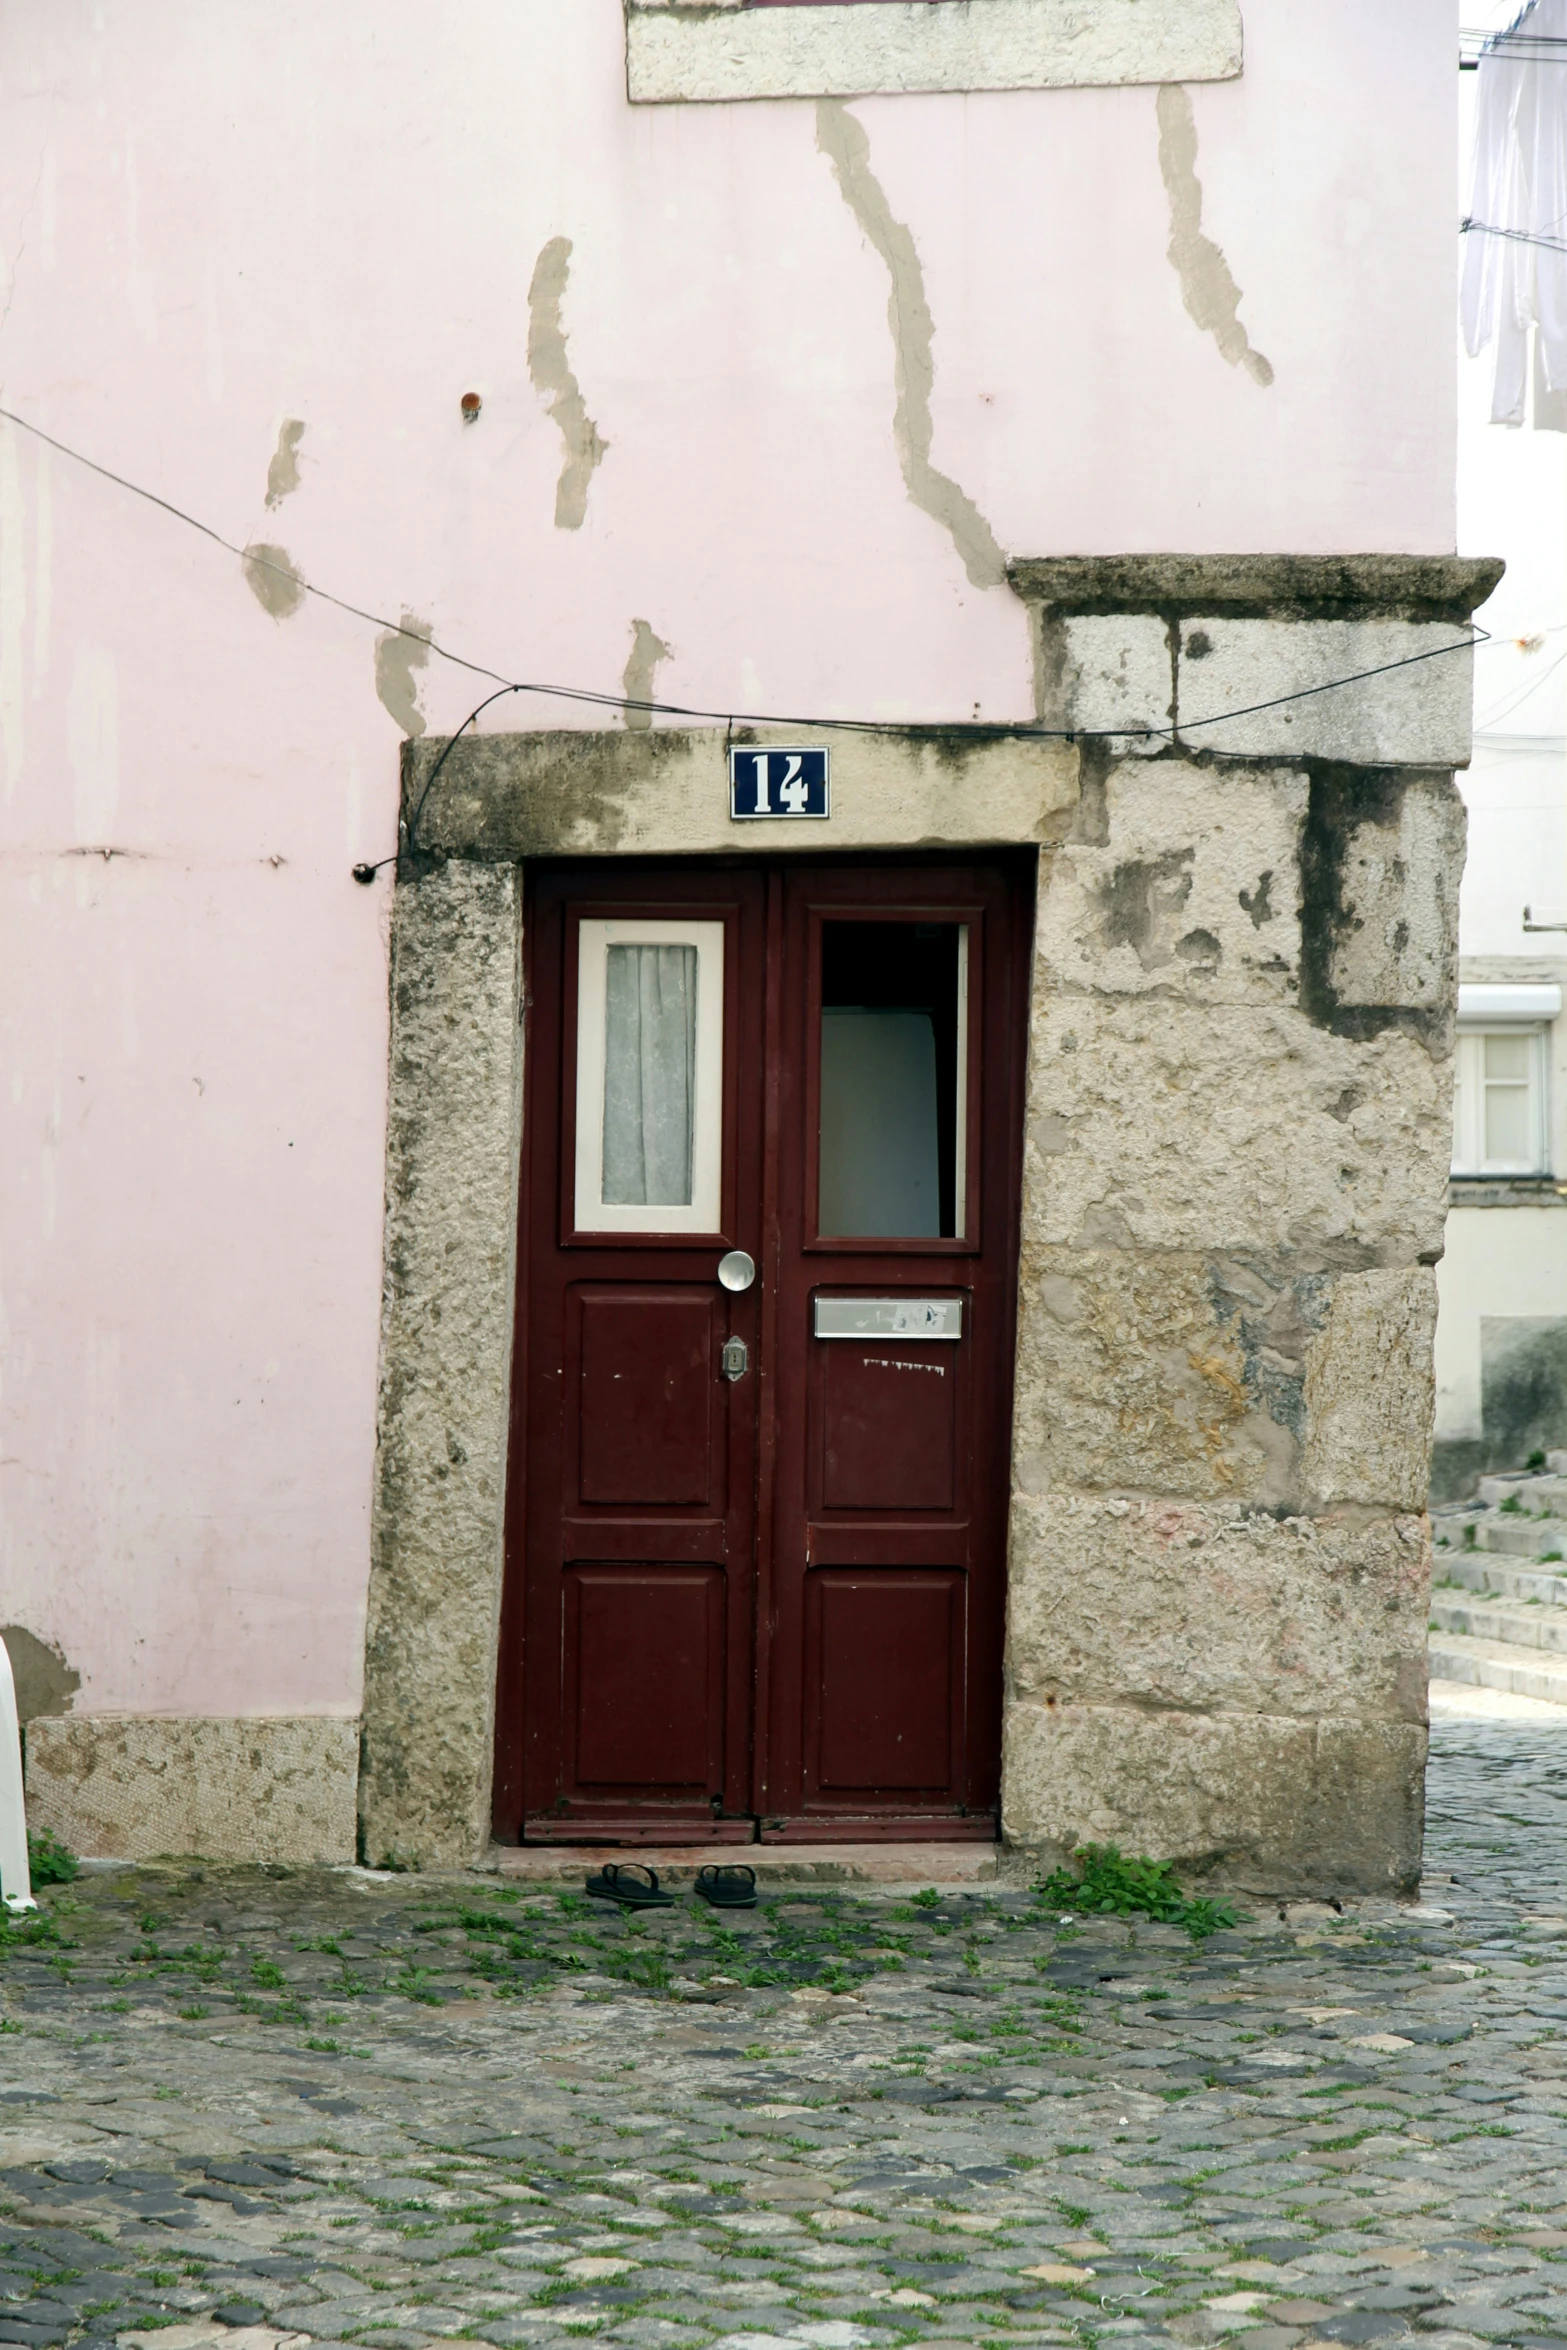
{"x":737,"y":1270}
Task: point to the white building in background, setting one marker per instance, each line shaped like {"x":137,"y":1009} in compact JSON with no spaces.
{"x":1501,"y":1346}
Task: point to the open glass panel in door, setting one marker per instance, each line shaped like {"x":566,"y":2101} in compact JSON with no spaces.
{"x":894,"y":1090}
{"x":650,"y":1059}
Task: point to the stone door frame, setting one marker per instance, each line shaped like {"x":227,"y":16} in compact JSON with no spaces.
{"x":454,"y":1158}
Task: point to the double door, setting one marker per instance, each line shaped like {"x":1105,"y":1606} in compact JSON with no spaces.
{"x":762,"y":1393}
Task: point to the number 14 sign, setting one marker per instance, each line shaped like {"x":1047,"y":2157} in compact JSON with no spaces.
{"x":778,"y":783}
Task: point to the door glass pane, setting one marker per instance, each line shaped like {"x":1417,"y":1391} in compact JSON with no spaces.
{"x":893,"y":1043}
{"x":649,"y":1075}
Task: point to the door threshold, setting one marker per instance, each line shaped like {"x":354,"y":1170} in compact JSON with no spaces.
{"x":776,"y":1865}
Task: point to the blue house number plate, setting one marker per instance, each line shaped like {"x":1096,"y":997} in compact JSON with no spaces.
{"x":778,"y":783}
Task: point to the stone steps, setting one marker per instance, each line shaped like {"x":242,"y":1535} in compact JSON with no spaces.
{"x":1539,"y":1492}
{"x":1499,"y":1664}
{"x":1542,"y":1629}
{"x":1472,"y":1571}
{"x":1498,"y":1598}
{"x":1539,"y":1538}
{"x":1502,"y":1535}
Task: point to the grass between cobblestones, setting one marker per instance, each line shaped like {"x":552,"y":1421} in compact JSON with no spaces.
{"x":272,"y":2107}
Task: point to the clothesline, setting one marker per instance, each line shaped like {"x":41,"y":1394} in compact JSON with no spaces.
{"x":1514,"y":285}
{"x":1542,"y":48}
{"x":1519,"y":236}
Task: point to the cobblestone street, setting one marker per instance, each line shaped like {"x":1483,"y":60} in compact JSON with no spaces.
{"x":246,"y":2106}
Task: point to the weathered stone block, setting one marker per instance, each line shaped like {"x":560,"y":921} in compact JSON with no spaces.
{"x":1157,"y":1124}
{"x":1136,"y":1371}
{"x":437,"y":1532}
{"x":1194,"y":891}
{"x":1380,"y":868}
{"x":1117,"y":1601}
{"x":1397,"y":709}
{"x":1275,"y":587}
{"x":1257,"y":1380}
{"x":1264,"y":1804}
{"x":1370,"y":1391}
{"x":716,"y":50}
{"x":129,"y":1787}
{"x":1111,"y":675}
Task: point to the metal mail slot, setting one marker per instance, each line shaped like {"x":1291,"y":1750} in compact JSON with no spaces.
{"x":889,"y":1317}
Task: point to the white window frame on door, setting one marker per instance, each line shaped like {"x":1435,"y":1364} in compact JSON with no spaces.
{"x":704,"y":1214}
{"x":1470,"y":1085}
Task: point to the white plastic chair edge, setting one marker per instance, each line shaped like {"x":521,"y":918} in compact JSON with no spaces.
{"x":16,"y":1882}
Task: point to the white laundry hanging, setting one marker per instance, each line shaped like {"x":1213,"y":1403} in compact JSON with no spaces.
{"x":1518,"y":193}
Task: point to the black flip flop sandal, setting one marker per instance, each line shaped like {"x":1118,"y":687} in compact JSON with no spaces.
{"x":726,"y":1888}
{"x":622,"y":1881}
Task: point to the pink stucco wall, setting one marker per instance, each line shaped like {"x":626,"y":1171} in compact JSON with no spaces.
{"x":212,"y":219}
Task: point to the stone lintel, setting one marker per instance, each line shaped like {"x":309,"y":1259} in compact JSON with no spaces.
{"x":1263,"y":587}
{"x":663,"y":791}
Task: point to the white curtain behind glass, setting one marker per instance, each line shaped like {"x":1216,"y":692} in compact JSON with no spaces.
{"x":649,"y":1075}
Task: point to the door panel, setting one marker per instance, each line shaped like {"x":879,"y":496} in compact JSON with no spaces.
{"x":645,"y":1681}
{"x":889,"y":1426}
{"x":646,"y":1398}
{"x":757,"y":1589}
{"x":884,"y":1673}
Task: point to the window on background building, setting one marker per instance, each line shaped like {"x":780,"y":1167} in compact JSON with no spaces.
{"x":1499,"y":1123}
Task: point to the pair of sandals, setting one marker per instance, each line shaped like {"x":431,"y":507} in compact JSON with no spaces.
{"x":635,"y":1887}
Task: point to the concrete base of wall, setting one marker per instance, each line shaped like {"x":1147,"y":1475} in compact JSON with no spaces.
{"x":129,"y":1787}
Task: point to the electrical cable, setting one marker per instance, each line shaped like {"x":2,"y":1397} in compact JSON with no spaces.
{"x":1014,"y":730}
{"x":1018,"y":730}
{"x":1514,"y":697}
{"x":246,"y":554}
{"x":1513,"y":40}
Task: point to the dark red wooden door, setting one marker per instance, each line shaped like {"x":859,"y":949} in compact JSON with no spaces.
{"x":898,"y":1164}
{"x":763,"y":1594}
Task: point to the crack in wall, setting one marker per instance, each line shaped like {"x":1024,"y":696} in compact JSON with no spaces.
{"x":641,"y":671}
{"x":550,"y":367}
{"x":844,"y":143}
{"x":1211,"y":296}
{"x":398,"y":653}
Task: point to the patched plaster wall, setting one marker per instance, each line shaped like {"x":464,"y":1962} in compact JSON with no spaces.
{"x":766,"y":400}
